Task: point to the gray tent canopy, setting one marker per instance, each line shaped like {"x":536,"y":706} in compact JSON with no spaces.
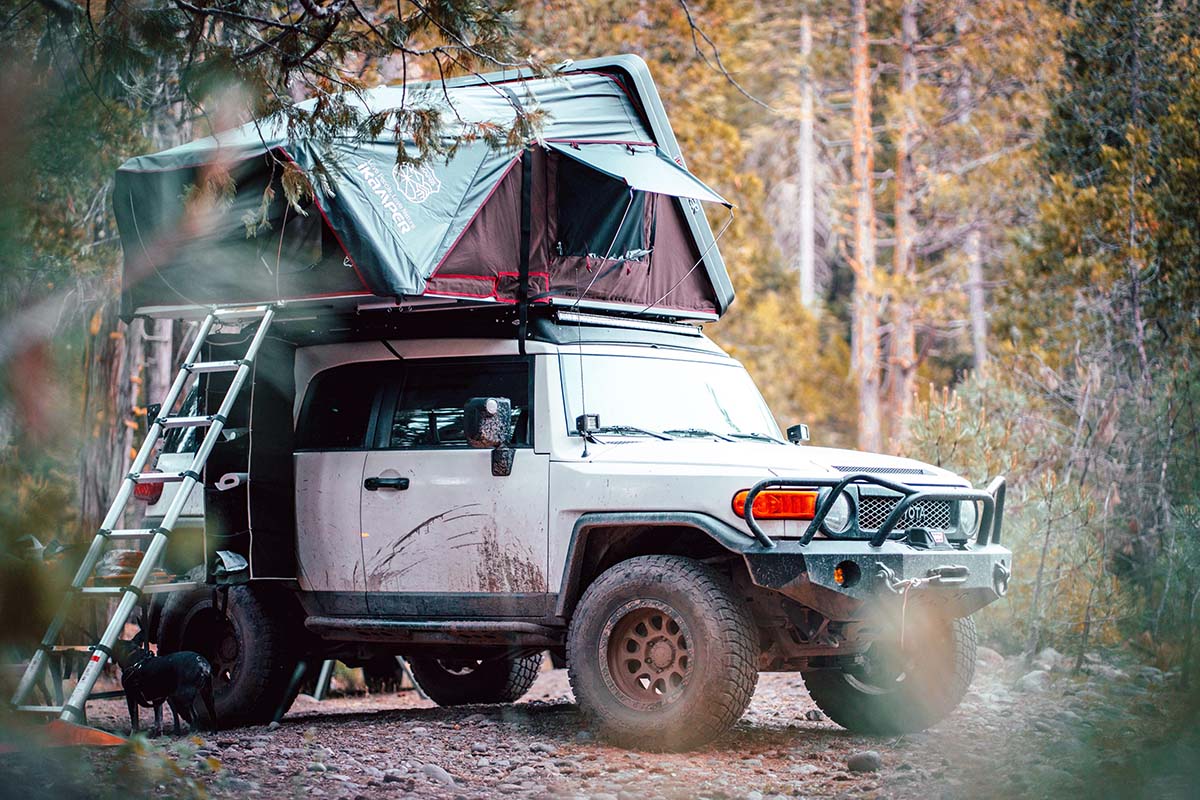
{"x":599,"y":211}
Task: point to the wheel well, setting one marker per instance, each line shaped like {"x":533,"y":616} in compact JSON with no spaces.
{"x":606,"y":545}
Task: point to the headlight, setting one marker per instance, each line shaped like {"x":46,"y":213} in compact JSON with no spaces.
{"x":968,"y":516}
{"x":838,"y":518}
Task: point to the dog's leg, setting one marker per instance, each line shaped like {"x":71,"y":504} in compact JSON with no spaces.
{"x":158,"y":718}
{"x":133,"y":712}
{"x":206,"y":694}
{"x":174,"y":715}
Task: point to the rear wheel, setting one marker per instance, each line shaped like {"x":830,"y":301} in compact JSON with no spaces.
{"x":466,"y":681}
{"x":661,"y":654}
{"x":251,"y":662}
{"x":893,"y":690}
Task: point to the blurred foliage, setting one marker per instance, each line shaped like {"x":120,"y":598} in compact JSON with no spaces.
{"x":1075,"y":154}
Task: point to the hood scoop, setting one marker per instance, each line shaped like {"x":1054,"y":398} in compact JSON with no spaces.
{"x":883,"y":470}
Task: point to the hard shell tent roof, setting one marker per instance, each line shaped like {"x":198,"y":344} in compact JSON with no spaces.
{"x":599,"y":212}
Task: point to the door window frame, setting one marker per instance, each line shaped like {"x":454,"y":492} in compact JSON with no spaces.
{"x":380,"y":428}
{"x":381,"y":368}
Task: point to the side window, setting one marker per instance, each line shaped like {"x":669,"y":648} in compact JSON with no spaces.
{"x":429,"y":412}
{"x":337,"y":407}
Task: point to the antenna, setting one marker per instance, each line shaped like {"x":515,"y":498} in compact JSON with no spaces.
{"x":579,"y":320}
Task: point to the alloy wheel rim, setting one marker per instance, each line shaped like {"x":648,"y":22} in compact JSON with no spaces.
{"x":646,"y":654}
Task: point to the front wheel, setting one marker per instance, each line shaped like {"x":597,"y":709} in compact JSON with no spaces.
{"x":892,"y":689}
{"x":466,"y":681}
{"x":661,"y":654}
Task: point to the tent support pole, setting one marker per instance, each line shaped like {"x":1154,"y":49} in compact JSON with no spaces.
{"x":526,"y":226}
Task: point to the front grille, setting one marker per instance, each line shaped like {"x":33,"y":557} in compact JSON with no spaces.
{"x":932,"y":514}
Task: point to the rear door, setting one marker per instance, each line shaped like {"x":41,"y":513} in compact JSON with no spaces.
{"x":333,"y":431}
{"x":441,"y":535}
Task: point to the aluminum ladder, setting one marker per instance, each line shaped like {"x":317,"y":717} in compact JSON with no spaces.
{"x":73,"y":710}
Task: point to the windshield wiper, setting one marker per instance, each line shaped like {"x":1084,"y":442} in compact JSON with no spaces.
{"x":762,"y":437}
{"x":698,"y":432}
{"x":627,"y":429}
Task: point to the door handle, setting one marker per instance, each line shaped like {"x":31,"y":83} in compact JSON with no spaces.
{"x":374,"y":484}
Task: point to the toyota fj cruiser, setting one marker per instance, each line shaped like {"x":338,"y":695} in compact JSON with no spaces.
{"x":611,"y":489}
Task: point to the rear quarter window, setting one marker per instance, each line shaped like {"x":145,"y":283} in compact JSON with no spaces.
{"x":338,"y":405}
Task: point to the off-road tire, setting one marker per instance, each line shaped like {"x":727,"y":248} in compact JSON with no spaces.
{"x":495,"y":680}
{"x":722,"y":653}
{"x":902,"y":708}
{"x":255,"y":685}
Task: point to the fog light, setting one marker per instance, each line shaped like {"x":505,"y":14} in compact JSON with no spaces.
{"x":846,"y":574}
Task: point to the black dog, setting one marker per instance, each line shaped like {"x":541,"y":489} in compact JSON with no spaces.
{"x":176,"y":679}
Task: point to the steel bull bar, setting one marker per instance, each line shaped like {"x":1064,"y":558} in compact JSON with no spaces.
{"x":817,"y":574}
{"x":989,"y":524}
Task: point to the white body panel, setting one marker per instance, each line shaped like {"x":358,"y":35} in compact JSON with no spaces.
{"x":457,"y":528}
{"x":329,"y":541}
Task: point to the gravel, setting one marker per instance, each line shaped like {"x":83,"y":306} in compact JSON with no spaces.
{"x":397,"y":745}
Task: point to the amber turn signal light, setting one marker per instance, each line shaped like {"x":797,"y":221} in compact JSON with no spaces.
{"x":778,"y":504}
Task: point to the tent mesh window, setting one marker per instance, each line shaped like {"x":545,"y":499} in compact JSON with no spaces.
{"x":597,"y":215}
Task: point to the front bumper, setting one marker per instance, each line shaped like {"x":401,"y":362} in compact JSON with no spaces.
{"x":840,"y":577}
{"x":955,"y":581}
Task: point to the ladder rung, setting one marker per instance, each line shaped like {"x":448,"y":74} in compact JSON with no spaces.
{"x":106,"y":695}
{"x":70,"y":648}
{"x":158,"y":477}
{"x":131,"y":534}
{"x":197,"y":367}
{"x":152,"y":588}
{"x":41,"y":709}
{"x":185,"y":422}
{"x":239,"y":311}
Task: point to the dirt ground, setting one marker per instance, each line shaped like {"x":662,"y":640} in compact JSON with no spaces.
{"x":1021,"y":732}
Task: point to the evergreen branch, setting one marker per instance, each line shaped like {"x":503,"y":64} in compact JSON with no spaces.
{"x":719,"y":65}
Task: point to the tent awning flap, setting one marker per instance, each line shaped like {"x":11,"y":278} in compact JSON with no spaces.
{"x":642,"y":167}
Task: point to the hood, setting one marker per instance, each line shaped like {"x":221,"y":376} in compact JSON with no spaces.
{"x":780,"y":460}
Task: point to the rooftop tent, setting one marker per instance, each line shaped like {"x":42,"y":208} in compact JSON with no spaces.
{"x":598,"y":212}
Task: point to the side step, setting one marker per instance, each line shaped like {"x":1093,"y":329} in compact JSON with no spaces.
{"x":437,"y":632}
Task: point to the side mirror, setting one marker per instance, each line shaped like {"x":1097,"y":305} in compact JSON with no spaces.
{"x":798,"y":434}
{"x":487,"y":422}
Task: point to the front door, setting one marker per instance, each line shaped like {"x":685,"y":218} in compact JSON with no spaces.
{"x":441,"y":535}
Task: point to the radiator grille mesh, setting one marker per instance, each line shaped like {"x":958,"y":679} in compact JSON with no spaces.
{"x":933,"y":514}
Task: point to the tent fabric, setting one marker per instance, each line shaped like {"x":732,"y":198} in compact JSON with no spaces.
{"x":378,"y":228}
{"x":667,"y":276}
{"x":645,"y":168}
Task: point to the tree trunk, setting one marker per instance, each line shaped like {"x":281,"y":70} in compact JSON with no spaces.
{"x":864,"y":331}
{"x":973,"y":246}
{"x":807,"y":167}
{"x":902,"y":364}
{"x":101,"y":459}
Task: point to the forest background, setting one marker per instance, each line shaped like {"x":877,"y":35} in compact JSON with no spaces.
{"x":968,"y":232}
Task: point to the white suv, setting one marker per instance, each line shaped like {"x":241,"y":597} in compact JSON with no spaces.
{"x":615,"y":491}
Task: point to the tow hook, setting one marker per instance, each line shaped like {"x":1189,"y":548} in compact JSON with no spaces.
{"x":1000,"y":575}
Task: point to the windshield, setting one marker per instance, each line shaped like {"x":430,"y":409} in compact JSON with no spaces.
{"x":665,"y":395}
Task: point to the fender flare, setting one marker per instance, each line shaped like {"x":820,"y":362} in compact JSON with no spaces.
{"x":723,"y":534}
